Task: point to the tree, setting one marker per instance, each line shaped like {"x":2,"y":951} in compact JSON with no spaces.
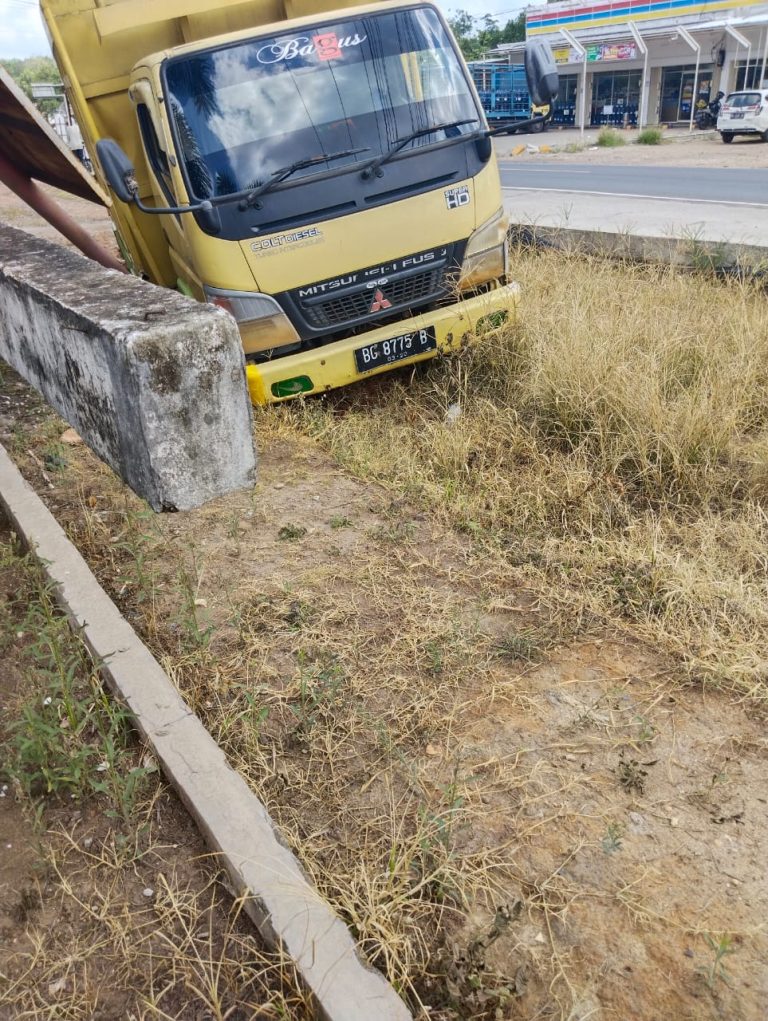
{"x":475,"y":41}
{"x":32,"y":70}
{"x":463,"y":27}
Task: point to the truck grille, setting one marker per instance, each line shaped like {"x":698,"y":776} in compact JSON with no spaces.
{"x":344,"y":308}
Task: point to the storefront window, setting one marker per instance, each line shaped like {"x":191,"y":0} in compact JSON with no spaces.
{"x":677,"y":92}
{"x":615,"y":97}
{"x":749,"y":78}
{"x":564,"y":111}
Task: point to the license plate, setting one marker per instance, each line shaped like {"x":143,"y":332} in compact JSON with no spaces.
{"x":385,"y":352}
{"x":737,"y":116}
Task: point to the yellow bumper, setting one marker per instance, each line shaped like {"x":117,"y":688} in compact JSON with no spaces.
{"x":326,"y":368}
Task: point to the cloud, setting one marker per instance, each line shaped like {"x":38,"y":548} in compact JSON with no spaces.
{"x":23,"y":34}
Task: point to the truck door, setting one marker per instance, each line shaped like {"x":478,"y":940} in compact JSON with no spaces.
{"x":162,"y":182}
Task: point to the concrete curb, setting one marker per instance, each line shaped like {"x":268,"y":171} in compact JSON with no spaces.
{"x":688,"y":253}
{"x":288,"y":911}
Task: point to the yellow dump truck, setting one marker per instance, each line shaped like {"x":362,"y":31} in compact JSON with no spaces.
{"x":327,"y":177}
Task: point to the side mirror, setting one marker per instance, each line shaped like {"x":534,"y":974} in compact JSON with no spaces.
{"x":484,"y":148}
{"x":541,"y":72}
{"x":120,"y":175}
{"x":118,"y":169}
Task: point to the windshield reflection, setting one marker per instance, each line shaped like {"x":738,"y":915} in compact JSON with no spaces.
{"x":243,"y":112}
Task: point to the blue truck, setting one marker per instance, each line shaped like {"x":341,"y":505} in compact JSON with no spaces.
{"x":503,"y":92}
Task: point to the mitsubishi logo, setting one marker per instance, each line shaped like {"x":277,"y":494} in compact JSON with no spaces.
{"x":379,"y":302}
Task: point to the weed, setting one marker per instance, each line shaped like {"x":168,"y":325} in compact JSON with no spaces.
{"x":395,"y":531}
{"x":470,"y":981}
{"x":436,"y":837}
{"x":299,"y":614}
{"x":70,"y":739}
{"x":646,"y":732}
{"x":242,"y":726}
{"x":319,"y":686}
{"x":609,"y":138}
{"x":722,"y":946}
{"x":441,"y":825}
{"x":137,"y":540}
{"x":622,"y":446}
{"x":340,"y":521}
{"x":292,"y":532}
{"x":525,"y":646}
{"x":435,"y":657}
{"x":650,"y":136}
{"x":83,"y":941}
{"x":706,"y":257}
{"x":610,"y":464}
{"x":195,"y":635}
{"x":611,"y":842}
{"x":631,"y":775}
{"x":54,"y":457}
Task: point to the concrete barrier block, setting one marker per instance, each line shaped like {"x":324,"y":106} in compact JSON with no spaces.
{"x":154,"y":382}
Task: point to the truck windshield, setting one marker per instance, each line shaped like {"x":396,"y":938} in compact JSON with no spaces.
{"x":243,"y":112}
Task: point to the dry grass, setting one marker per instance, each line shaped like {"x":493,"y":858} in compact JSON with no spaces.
{"x":616,"y":438}
{"x":184,"y":953}
{"x":111,"y":907}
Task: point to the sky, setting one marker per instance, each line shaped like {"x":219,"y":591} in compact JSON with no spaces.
{"x":22,"y":33}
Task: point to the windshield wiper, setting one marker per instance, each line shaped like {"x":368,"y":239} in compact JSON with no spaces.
{"x":285,"y":172}
{"x":374,"y":167}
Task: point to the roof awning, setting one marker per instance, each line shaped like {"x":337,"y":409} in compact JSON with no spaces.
{"x":29,"y":143}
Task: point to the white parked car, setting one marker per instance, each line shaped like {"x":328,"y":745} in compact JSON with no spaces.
{"x":744,"y":113}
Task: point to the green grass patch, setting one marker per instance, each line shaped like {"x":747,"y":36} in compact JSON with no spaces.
{"x":609,"y":138}
{"x":650,"y":136}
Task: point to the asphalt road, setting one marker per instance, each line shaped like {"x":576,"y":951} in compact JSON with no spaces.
{"x":694,"y":184}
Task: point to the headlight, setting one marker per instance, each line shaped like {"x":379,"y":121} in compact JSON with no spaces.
{"x":486,"y":256}
{"x":262,"y":323}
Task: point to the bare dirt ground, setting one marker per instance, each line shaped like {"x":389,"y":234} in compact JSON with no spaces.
{"x":89,"y":215}
{"x":520,"y":812}
{"x":678,"y":149}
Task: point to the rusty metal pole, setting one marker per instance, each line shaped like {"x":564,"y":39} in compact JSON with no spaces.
{"x":31,"y":193}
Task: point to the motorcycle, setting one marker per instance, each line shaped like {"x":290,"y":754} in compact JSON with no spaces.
{"x":707,"y":118}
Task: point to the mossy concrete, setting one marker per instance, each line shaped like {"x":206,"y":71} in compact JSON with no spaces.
{"x":153,"y":381}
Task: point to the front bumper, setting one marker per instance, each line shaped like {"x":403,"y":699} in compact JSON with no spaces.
{"x":333,"y":365}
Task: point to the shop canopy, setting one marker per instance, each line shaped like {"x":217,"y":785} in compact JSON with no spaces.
{"x":628,"y":28}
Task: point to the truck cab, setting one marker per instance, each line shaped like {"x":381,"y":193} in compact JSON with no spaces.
{"x":326,"y":179}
